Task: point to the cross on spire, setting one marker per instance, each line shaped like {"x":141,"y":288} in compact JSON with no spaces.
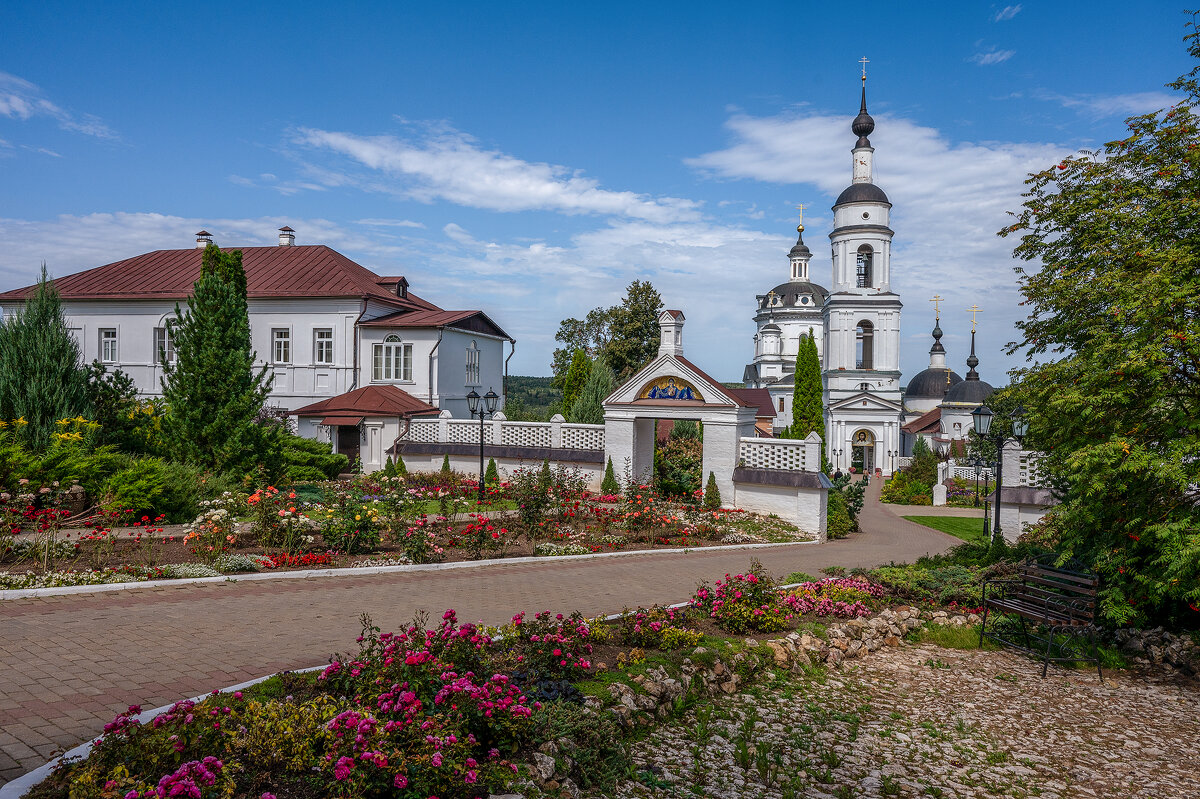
{"x":864,"y":63}
{"x":973,"y":310}
{"x":801,"y":208}
{"x":937,"y":306}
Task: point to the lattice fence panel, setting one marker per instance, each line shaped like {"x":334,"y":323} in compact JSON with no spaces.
{"x":1030,"y":463}
{"x":902,"y":462}
{"x":467,"y":432}
{"x":525,"y":434}
{"x":425,"y":432}
{"x":759,"y":453}
{"x":968,"y":473}
{"x":583,"y":436}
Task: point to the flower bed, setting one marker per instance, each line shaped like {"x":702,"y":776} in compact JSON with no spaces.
{"x":454,"y":710}
{"x":383,"y":517}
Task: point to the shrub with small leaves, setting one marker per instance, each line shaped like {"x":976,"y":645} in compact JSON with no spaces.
{"x":712,"y":494}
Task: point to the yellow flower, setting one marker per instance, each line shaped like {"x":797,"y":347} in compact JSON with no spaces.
{"x":357,"y":518}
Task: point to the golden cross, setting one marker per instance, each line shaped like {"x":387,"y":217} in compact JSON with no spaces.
{"x":974,"y":309}
{"x":937,"y":306}
{"x":864,"y":63}
{"x":801,"y":208}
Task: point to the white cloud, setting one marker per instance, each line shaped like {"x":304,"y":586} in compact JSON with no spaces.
{"x":445,"y":164}
{"x":992,"y":56}
{"x":22,"y":100}
{"x":949,"y":201}
{"x":1007,"y":13}
{"x":390,"y":223}
{"x":1107,"y":105}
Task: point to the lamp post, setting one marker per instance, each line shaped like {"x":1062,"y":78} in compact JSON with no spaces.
{"x":977,"y":462}
{"x":487,"y":409}
{"x":981,"y":417}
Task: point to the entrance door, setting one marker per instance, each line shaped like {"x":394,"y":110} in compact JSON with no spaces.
{"x":863,"y":453}
{"x":347,"y":441}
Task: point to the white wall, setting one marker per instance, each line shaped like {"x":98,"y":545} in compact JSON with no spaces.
{"x":804,"y":507}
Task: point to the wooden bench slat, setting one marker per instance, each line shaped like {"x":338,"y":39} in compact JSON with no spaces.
{"x":1070,"y":588}
{"x":1059,"y":574}
{"x":1044,"y":593}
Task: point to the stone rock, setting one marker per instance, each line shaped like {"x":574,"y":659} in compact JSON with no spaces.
{"x":730,"y":685}
{"x":569,"y":787}
{"x":549,"y":748}
{"x":544,"y":767}
{"x":779,"y":653}
{"x":834,"y":657}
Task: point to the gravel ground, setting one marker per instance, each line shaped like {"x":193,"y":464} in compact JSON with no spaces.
{"x":921,"y":720}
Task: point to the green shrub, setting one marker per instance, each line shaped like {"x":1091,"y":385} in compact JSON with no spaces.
{"x":492,"y":476}
{"x":837,"y":517}
{"x":596,"y":744}
{"x":446,"y":464}
{"x":305,"y":459}
{"x":151,"y":487}
{"x":610,"y":485}
{"x":677,"y":467}
{"x":712,"y":494}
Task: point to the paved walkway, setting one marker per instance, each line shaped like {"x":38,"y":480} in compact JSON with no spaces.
{"x":68,"y":664}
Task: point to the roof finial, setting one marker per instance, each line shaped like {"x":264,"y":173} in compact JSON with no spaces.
{"x":972,"y":361}
{"x":973,"y":310}
{"x":937,"y":301}
{"x":863,"y":124}
{"x":800,"y":208}
{"x":864,"y":63}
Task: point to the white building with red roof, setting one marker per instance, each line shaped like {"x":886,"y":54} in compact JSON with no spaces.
{"x":323,"y":324}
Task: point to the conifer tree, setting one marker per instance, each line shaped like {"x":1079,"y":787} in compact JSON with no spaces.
{"x":589,"y":408}
{"x":446,"y":464}
{"x":213,"y":393}
{"x":40,"y":377}
{"x":807,"y":410}
{"x":609,"y":485}
{"x":492,"y":475}
{"x":712,"y":494}
{"x":577,"y":377}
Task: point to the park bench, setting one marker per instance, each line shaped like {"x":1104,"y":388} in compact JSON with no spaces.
{"x":1062,"y":602}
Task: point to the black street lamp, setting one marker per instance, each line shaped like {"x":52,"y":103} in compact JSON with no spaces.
{"x":981,"y":417}
{"x":977,"y":462}
{"x":488,"y":408}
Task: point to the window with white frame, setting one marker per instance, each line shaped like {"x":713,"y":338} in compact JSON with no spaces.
{"x":323,"y":345}
{"x":281,"y":345}
{"x":473,"y":364}
{"x":164,"y":346}
{"x":108,"y":345}
{"x":392,"y":360}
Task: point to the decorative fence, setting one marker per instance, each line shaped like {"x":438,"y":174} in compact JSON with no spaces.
{"x":781,"y":453}
{"x":1029,"y":471}
{"x":500,"y":431}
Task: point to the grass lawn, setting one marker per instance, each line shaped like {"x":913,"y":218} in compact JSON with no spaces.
{"x":965,"y":527}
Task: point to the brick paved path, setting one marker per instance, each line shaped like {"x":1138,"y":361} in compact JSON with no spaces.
{"x":68,"y":664}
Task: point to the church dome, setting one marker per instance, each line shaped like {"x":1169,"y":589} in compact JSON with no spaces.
{"x":931,"y":384}
{"x":797,"y":294}
{"x":968,"y":392}
{"x":862,"y":193}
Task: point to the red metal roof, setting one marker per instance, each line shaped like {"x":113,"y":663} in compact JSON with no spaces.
{"x":756,"y":396}
{"x":928,"y":422}
{"x":368,"y":401}
{"x":311,"y":270}
{"x":432,"y":318}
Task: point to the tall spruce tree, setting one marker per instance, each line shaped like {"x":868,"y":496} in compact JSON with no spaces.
{"x":40,"y":377}
{"x":212,"y":391}
{"x":577,"y":377}
{"x":589,"y":408}
{"x":808,"y":413}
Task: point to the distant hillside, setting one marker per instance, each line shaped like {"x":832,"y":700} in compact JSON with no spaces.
{"x":532,"y":399}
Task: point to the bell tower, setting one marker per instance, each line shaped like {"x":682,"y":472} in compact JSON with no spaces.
{"x":861,"y":377}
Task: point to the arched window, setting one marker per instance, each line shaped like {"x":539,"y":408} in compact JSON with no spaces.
{"x":781,"y":404}
{"x":865,"y":256}
{"x":391,"y":360}
{"x":473,"y":364}
{"x":864,"y":345}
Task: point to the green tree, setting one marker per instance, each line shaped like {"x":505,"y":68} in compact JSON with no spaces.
{"x":589,"y":408}
{"x":712,"y":494}
{"x":40,"y":378}
{"x":808,"y":411}
{"x":626,"y":334}
{"x":213,"y":393}
{"x":492,"y":475}
{"x":635,"y":332}
{"x":577,"y":377}
{"x":1113,"y":336}
{"x":609,"y":484}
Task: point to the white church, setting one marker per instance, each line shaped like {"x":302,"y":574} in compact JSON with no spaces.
{"x":871,"y":418}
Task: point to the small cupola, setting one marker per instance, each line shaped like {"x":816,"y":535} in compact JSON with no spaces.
{"x":203,"y":239}
{"x":287,"y":237}
{"x":670,"y":325}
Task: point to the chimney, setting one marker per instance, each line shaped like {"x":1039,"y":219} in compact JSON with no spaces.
{"x":203,"y":239}
{"x":670,"y":325}
{"x":287,"y":236}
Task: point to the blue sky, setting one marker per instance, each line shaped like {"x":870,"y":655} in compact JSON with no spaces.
{"x":531,"y":159}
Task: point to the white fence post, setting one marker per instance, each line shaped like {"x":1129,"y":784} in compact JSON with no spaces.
{"x":556,"y":423}
{"x":812,"y":452}
{"x":444,"y":426}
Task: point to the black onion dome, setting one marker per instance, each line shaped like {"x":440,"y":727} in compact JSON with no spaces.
{"x":863,"y":124}
{"x":968,"y":392}
{"x":862,"y":193}
{"x":931,"y":384}
{"x":800,"y":248}
{"x":789,"y":295}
